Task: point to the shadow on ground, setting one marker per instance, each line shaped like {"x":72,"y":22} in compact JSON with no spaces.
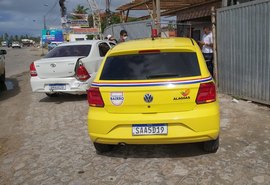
{"x":61,"y":98}
{"x":156,"y":151}
{"x":9,"y":89}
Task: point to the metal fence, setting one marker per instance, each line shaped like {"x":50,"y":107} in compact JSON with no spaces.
{"x":243,"y":43}
{"x":135,"y":30}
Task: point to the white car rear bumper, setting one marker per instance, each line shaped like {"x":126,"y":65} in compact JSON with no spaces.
{"x":65,"y":85}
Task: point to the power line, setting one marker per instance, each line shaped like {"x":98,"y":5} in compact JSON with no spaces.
{"x":50,"y":15}
{"x":54,"y":5}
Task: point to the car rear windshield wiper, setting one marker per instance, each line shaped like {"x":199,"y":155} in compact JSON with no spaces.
{"x":162,"y":75}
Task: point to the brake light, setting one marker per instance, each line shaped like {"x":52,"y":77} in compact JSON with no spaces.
{"x":33,"y":71}
{"x":82,"y":74}
{"x":206,"y":93}
{"x":149,"y":51}
{"x":94,"y":97}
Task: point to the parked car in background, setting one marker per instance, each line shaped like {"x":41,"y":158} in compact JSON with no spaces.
{"x":153,"y":92}
{"x":16,"y":45}
{"x":4,"y":44}
{"x":53,"y":45}
{"x":68,"y":68}
{"x":2,"y":66}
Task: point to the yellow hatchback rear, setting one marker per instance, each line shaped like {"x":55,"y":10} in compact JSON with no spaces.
{"x":153,"y":92}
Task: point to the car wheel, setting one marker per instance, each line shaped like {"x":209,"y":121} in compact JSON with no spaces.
{"x":102,"y":148}
{"x":211,"y":146}
{"x":52,"y":94}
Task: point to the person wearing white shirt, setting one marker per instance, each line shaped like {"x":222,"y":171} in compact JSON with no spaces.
{"x":207,"y":48}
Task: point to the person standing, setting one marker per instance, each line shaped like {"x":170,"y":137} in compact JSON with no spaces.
{"x":207,"y":48}
{"x":111,"y":38}
{"x":123,"y":36}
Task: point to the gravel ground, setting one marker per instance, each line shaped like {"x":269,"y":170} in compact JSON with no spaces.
{"x":44,"y":141}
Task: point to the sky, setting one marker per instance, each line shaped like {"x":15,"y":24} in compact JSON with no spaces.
{"x":20,"y":17}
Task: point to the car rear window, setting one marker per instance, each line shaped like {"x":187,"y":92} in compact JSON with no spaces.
{"x":69,"y":51}
{"x":151,"y":66}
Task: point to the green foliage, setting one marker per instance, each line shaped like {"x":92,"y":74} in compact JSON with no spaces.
{"x":90,"y":37}
{"x":16,"y":38}
{"x":114,"y":18}
{"x":80,"y":9}
{"x":90,"y":20}
{"x":11,"y":38}
{"x":132,"y":19}
{"x":109,"y":19}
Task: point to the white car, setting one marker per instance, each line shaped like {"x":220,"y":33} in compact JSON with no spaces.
{"x":2,"y":65}
{"x":16,"y":45}
{"x":68,"y":68}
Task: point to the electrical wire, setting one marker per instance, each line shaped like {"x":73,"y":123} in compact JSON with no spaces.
{"x":54,"y":5}
{"x":51,"y":19}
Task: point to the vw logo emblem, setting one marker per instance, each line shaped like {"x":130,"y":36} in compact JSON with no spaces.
{"x":53,"y":65}
{"x":148,"y":98}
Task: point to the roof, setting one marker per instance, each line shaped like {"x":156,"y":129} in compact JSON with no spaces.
{"x":168,"y":7}
{"x":157,"y":43}
{"x":80,"y":42}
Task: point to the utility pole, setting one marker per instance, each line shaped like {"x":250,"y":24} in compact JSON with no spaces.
{"x":96,"y":15}
{"x":44,"y":18}
{"x":44,"y":22}
{"x":158,"y":17}
{"x":108,"y":12}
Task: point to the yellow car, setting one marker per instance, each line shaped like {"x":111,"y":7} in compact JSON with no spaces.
{"x":153,"y":92}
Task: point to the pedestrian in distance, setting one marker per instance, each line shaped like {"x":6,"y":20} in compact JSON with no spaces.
{"x":207,"y":48}
{"x":111,"y":38}
{"x":123,"y":36}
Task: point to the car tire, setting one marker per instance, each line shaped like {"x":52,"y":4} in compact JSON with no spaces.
{"x":51,"y":95}
{"x":103,"y":148}
{"x":211,"y":146}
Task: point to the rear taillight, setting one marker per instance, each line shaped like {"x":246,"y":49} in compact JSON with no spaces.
{"x":82,"y":74}
{"x":94,"y":97}
{"x":33,"y":71}
{"x":206,"y":93}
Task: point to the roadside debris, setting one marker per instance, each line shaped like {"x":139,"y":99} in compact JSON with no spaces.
{"x":235,"y":100}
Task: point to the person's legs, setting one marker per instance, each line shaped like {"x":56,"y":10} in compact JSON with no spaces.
{"x":209,"y":62}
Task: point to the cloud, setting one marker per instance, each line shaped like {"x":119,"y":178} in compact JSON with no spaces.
{"x":27,"y":16}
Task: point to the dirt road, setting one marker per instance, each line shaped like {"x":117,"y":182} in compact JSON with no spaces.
{"x":44,"y":141}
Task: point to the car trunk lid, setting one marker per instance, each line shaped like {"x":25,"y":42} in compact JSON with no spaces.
{"x":151,"y":81}
{"x":56,"y":67}
{"x":168,"y":97}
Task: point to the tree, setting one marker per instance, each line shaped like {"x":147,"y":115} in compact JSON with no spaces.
{"x":113,"y":18}
{"x":16,"y":38}
{"x":80,"y":9}
{"x":6,"y":36}
{"x":11,"y":38}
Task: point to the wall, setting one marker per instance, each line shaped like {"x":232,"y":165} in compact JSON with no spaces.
{"x":243,"y":43}
{"x":135,"y":30}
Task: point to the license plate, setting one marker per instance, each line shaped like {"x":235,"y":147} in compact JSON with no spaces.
{"x":149,"y":129}
{"x":53,"y":87}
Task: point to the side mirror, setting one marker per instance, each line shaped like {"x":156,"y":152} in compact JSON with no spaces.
{"x":3,"y":52}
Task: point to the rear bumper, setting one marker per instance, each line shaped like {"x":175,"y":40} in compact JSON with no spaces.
{"x":72,"y":85}
{"x":200,"y":124}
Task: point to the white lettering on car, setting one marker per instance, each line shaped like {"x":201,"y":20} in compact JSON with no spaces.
{"x":117,"y":98}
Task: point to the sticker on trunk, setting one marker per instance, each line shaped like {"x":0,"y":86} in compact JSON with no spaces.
{"x":117,"y":98}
